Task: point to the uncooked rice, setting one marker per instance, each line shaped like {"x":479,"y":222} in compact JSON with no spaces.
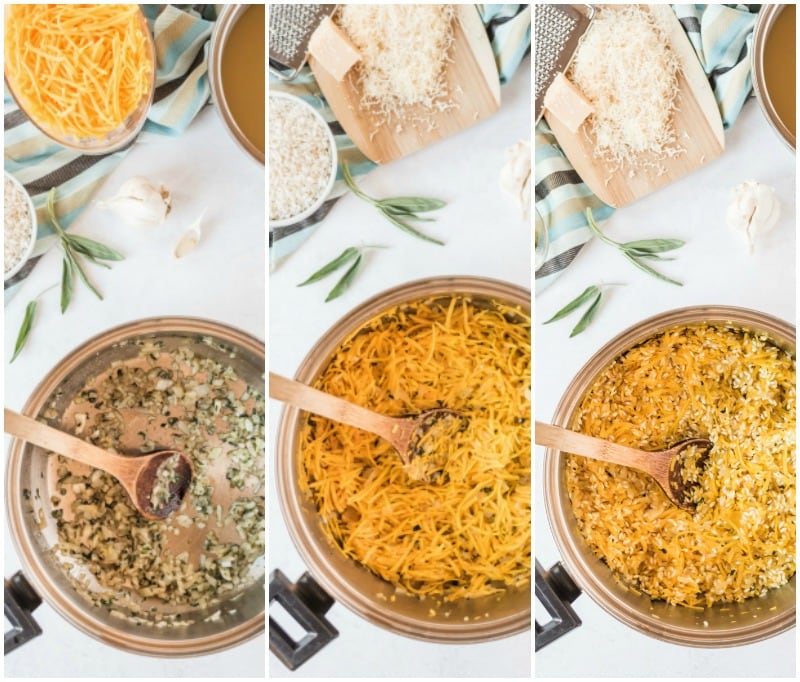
{"x":299,"y":158}
{"x":17,"y":225}
{"x":733,"y":386}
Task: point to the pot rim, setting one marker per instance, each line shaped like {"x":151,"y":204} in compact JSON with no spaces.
{"x":314,"y":554}
{"x":29,"y":555}
{"x":226,"y":20}
{"x":589,"y":572}
{"x":765,"y":19}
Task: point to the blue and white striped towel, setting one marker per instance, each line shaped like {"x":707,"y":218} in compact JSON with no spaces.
{"x":181,"y":38}
{"x":722,"y":36}
{"x":509,"y":30}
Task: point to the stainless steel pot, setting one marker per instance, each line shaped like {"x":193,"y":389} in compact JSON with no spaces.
{"x":349,"y":582}
{"x":226,"y":20}
{"x":241,"y":613}
{"x":767,"y":16}
{"x":719,"y":626}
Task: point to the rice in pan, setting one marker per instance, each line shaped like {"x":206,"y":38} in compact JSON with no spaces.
{"x":733,"y":386}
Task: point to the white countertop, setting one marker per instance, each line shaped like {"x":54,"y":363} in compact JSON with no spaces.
{"x":484,"y":236}
{"x":222,"y":280}
{"x":715,"y":269}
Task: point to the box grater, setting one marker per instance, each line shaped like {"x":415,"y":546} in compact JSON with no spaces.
{"x":290,"y":29}
{"x":558,"y":32}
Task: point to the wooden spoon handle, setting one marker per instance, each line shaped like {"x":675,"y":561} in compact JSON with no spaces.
{"x":326,"y":405}
{"x":589,"y":446}
{"x":49,"y":438}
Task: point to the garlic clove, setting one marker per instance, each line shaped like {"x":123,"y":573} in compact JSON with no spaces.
{"x":189,"y":239}
{"x":140,"y":203}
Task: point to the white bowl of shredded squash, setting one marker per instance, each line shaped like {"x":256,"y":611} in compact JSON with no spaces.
{"x":723,"y":575}
{"x":83,"y":74}
{"x":446,"y":560}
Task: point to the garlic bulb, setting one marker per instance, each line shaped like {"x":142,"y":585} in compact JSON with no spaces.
{"x":753,"y":210}
{"x":515,"y":176}
{"x":140,"y":203}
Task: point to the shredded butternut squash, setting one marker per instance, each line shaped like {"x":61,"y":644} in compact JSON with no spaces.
{"x":733,"y":386}
{"x":79,"y":70}
{"x":468,"y":532}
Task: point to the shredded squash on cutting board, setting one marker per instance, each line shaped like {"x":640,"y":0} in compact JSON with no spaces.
{"x":79,"y":70}
{"x":468,"y":533}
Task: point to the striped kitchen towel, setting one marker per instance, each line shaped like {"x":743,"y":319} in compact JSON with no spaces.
{"x":509,"y":30}
{"x":721,"y":36}
{"x":181,"y":38}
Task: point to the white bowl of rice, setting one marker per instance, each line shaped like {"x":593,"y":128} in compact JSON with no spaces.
{"x":302,"y":160}
{"x":19,"y":236}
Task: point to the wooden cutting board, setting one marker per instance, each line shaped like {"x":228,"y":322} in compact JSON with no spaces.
{"x":472,"y":81}
{"x":697,"y":123}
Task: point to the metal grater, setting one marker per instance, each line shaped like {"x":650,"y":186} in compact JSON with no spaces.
{"x":558,"y":32}
{"x":290,"y":29}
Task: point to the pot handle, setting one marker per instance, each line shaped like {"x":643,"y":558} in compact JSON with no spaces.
{"x":19,"y":601}
{"x":555,"y":590}
{"x":307,"y":603}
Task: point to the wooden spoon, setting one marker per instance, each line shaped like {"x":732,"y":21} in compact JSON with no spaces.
{"x":137,"y":474}
{"x":665,"y":466}
{"x":404,"y":433}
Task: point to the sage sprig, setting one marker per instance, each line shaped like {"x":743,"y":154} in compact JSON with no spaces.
{"x":27,"y":324}
{"x":592,"y":293}
{"x":25,"y":329}
{"x":635,"y":251}
{"x":399,"y":210}
{"x":351,"y":255}
{"x":75,"y":249}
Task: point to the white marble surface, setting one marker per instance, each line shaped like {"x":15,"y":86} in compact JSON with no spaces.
{"x":222,"y":280}
{"x":484,"y":236}
{"x":715,"y":269}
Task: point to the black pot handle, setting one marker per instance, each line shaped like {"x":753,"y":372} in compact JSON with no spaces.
{"x":555,"y":590}
{"x":307,"y":603}
{"x":19,"y":601}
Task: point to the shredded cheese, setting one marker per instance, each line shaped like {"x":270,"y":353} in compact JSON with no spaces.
{"x":626,"y":69}
{"x":79,"y":70}
{"x":738,"y":389}
{"x":404,"y":52}
{"x":467,"y":533}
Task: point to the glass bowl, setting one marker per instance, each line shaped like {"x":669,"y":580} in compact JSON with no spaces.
{"x":124,"y":134}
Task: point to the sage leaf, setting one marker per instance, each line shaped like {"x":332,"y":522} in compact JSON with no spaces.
{"x":344,"y":257}
{"x":90,"y":247}
{"x":654,"y":245}
{"x":588,"y":316}
{"x":82,"y":274}
{"x":25,"y":329}
{"x":67,"y":275}
{"x":575,"y":303}
{"x":346,"y":280}
{"x":413,"y":204}
{"x":646,"y":268}
{"x":407,"y":214}
{"x":398,"y":222}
